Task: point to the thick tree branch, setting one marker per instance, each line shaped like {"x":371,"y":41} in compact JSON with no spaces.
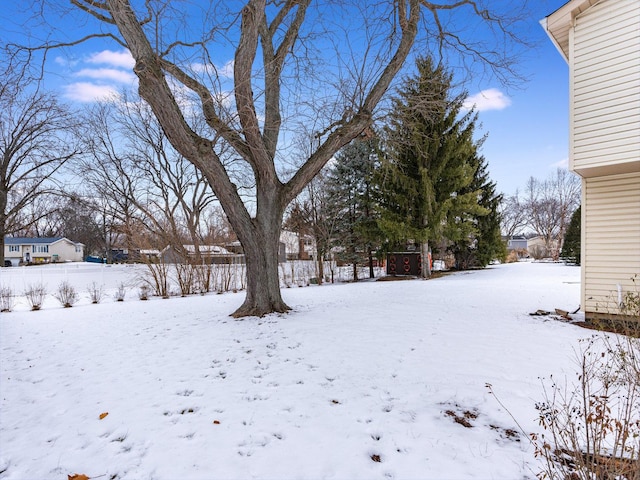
{"x":363,"y":117}
{"x":156,"y":91}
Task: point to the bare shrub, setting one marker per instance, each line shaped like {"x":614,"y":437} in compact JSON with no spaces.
{"x":157,"y":277}
{"x":95,"y":292}
{"x":592,"y":424}
{"x":204,"y":277}
{"x":35,"y":295}
{"x":515,"y":255}
{"x":241,"y":276}
{"x":120,"y":292}
{"x":538,"y":252}
{"x":223,"y":277}
{"x":186,"y":277}
{"x":7,"y":299}
{"x":143,"y":292}
{"x":66,"y":294}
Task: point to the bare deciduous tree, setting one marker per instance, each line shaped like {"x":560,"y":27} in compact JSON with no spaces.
{"x":36,"y":139}
{"x":131,"y":163}
{"x":513,"y":215}
{"x":549,"y":205}
{"x":296,"y":62}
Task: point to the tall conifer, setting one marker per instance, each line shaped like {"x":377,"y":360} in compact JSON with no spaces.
{"x":351,"y":203}
{"x":429,"y":163}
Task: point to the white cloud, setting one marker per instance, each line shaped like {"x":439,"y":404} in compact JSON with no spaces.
{"x":490,"y":99}
{"x":113,"y":74}
{"x":116,"y":59}
{"x":225,"y":71}
{"x":65,"y":62}
{"x":89,"y":92}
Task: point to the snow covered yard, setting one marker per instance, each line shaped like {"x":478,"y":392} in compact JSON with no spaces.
{"x":360,"y":381}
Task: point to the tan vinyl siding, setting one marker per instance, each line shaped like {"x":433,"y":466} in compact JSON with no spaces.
{"x":611,"y":240}
{"x":65,"y":251}
{"x":606,"y":87}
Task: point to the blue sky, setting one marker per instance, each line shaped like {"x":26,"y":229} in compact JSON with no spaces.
{"x":528,"y":133}
{"x":527,"y":126}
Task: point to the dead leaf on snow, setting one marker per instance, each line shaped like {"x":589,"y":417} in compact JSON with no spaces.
{"x":78,"y":476}
{"x":102,"y":415}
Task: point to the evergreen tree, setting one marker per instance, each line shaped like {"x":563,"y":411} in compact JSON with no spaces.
{"x":571,"y":244}
{"x":483,"y":241}
{"x":351,"y":203}
{"x":429,"y":164}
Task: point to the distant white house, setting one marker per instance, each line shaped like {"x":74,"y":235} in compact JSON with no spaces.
{"x":298,"y":247}
{"x":19,"y":250}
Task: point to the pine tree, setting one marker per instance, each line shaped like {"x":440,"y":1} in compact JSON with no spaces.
{"x":571,"y":244}
{"x":429,"y":163}
{"x":351,"y":203}
{"x":482,"y":241}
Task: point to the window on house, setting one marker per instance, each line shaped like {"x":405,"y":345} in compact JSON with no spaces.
{"x":14,"y":248}
{"x":78,"y":249}
{"x":40,"y":248}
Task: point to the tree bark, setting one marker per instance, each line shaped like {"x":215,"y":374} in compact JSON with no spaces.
{"x":261,"y":242}
{"x":2,"y":231}
{"x":426,"y":264}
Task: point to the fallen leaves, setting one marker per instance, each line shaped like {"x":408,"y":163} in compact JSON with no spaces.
{"x":77,"y":476}
{"x":102,"y":415}
{"x":216,"y":422}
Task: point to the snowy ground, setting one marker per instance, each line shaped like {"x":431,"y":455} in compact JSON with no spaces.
{"x":360,"y":381}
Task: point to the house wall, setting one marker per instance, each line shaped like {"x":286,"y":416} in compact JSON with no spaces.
{"x":12,"y":256}
{"x":605,"y":89}
{"x":610,"y":240}
{"x":65,"y":250}
{"x":604,"y":56}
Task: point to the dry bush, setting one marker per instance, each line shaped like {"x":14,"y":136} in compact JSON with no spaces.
{"x":66,"y":294}
{"x":95,"y":292}
{"x":7,"y":299}
{"x":120,"y":293}
{"x":143,"y":292}
{"x":538,"y":252}
{"x":157,"y":277}
{"x":592,"y":425}
{"x":186,"y":277}
{"x":35,"y":295}
{"x":204,"y":277}
{"x":515,"y":255}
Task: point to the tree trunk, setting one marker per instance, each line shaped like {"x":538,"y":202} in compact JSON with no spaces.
{"x":263,"y":286}
{"x":3,"y":223}
{"x":261,"y":244}
{"x":320,"y":262}
{"x":371,"y":272}
{"x":426,"y":264}
{"x":2,"y":233}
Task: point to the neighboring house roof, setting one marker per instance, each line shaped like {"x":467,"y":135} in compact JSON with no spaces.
{"x":558,"y":24}
{"x":36,"y":240}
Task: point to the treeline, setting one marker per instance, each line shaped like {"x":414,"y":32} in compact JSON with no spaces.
{"x":109,"y":178}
